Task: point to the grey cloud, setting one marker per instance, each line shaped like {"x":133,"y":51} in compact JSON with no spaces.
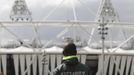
{"x":40,"y":9}
{"x":124,"y":9}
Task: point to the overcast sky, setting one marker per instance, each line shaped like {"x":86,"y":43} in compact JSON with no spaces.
{"x":84,"y":11}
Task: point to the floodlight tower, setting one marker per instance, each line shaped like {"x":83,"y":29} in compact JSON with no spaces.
{"x":20,"y":12}
{"x":106,"y":14}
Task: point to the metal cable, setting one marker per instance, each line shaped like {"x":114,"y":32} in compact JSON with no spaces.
{"x":18,"y":39}
{"x":58,"y":36}
{"x":37,"y":35}
{"x":74,"y":11}
{"x":123,"y":43}
{"x":89,"y":9}
{"x":89,"y":34}
{"x":53,"y":10}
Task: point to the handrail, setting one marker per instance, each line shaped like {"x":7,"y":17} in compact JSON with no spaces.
{"x":80,"y":52}
{"x":65,"y":23}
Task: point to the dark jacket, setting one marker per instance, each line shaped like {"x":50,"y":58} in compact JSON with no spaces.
{"x":71,"y":66}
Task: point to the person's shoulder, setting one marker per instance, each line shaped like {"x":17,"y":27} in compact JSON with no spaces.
{"x":83,"y":65}
{"x":60,"y":66}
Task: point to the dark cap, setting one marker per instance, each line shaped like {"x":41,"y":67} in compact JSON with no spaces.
{"x":69,"y":49}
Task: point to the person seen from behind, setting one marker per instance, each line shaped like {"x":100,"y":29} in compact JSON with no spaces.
{"x":70,"y":64}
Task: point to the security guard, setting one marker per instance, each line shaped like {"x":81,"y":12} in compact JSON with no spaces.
{"x":70,"y":64}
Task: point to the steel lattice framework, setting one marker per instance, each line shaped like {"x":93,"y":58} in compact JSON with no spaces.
{"x":107,"y":12}
{"x":20,"y":12}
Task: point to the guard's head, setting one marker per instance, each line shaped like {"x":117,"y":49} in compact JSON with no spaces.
{"x":69,"y":49}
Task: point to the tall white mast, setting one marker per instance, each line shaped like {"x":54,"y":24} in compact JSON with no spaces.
{"x":20,"y":12}
{"x":105,"y":14}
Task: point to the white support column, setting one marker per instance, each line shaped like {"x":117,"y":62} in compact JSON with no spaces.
{"x":106,"y":61}
{"x":123,"y":64}
{"x":40,"y":64}
{"x":132,"y":67}
{"x":111,"y":66}
{"x":22,"y":64}
{"x":34,"y":58}
{"x":117,"y":64}
{"x":16,"y":64}
{"x":52,"y":60}
{"x":99,"y":72}
{"x":28,"y":61}
{"x":4,"y":64}
{"x":47,"y":71}
{"x":129,"y":60}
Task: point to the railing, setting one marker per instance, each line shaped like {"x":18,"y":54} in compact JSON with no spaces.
{"x":116,"y":65}
{"x":30,"y":62}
